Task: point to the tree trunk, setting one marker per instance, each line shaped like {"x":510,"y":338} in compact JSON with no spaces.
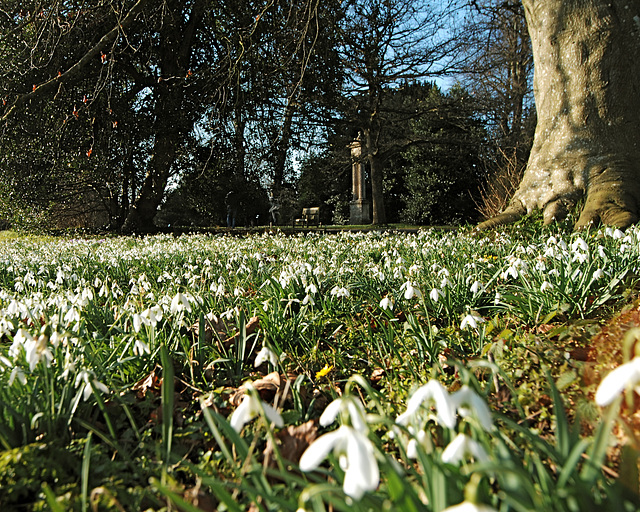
{"x":587,"y":91}
{"x":379,"y":214}
{"x":172,"y":120}
{"x":282,"y":144}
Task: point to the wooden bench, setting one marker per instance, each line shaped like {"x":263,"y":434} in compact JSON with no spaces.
{"x":310,"y":217}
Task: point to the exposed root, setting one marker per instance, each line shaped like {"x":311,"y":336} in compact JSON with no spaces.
{"x":509,"y":216}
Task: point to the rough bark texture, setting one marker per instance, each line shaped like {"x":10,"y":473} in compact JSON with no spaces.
{"x":587,"y":91}
{"x":379,"y":215}
{"x":172,"y":121}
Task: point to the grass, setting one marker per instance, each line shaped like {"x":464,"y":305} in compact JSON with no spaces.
{"x":124,"y":359}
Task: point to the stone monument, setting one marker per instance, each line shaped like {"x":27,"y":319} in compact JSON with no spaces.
{"x":359,"y":213}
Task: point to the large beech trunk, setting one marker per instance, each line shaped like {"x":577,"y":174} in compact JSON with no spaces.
{"x":587,"y":91}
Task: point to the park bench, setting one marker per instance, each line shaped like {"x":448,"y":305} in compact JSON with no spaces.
{"x":309,"y":217}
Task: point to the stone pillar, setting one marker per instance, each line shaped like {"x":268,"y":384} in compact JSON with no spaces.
{"x":359,"y":212}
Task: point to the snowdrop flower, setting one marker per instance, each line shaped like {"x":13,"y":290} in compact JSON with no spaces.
{"x":349,"y":406}
{"x":475,"y":287}
{"x":152,"y":315}
{"x":386,"y":303}
{"x":579,"y":244}
{"x":17,"y":373}
{"x":617,"y":234}
{"x":546,"y":285}
{"x":434,"y":294}
{"x":411,"y":291}
{"x":356,"y":456}
{"x":467,"y":402}
{"x":36,"y":349}
{"x":140,"y":347}
{"x":137,"y":322}
{"x":338,"y":291}
{"x":598,"y":274}
{"x":468,"y":506}
{"x":471,"y":321}
{"x":580,"y":257}
{"x":462,"y":446}
{"x":250,"y":407}
{"x":265,"y":355}
{"x":308,"y":299}
{"x":89,"y":384}
{"x":180,"y":303}
{"x":19,"y":340}
{"x":615,"y":383}
{"x":433,"y":393}
{"x":412,"y":445}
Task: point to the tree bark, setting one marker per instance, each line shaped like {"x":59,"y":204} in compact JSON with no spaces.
{"x":587,"y":92}
{"x":172,"y":121}
{"x":379,"y":214}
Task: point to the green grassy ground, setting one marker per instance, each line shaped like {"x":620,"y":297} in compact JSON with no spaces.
{"x":125,"y":361}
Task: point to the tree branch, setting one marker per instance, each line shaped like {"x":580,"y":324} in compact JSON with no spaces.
{"x":52,"y":84}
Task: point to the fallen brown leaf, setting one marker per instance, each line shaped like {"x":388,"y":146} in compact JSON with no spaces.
{"x":149,"y":383}
{"x":292,"y":442}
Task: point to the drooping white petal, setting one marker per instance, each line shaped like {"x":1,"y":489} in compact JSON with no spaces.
{"x":363,"y":473}
{"x":357,"y":414}
{"x":432,"y":391}
{"x":462,"y":446}
{"x":272,"y":415}
{"x":249,"y":408}
{"x":242,"y":415}
{"x":266,"y":355}
{"x":320,"y":448}
{"x":614,"y":384}
{"x":331,"y":412}
{"x":467,"y":506}
{"x":468,"y":402}
{"x":137,"y":322}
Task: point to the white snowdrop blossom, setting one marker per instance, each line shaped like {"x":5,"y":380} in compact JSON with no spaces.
{"x":140,"y":347}
{"x":598,"y":274}
{"x":433,"y":393}
{"x":17,"y":373}
{"x":89,"y":384}
{"x":386,"y":303}
{"x":546,"y":285}
{"x":471,"y":321}
{"x":468,"y":506}
{"x":356,"y":456}
{"x":475,"y":287}
{"x":265,"y":355}
{"x":410,"y":291}
{"x":37,"y":349}
{"x":434,"y":294}
{"x":350,"y":407}
{"x":19,"y":340}
{"x":180,"y":302}
{"x":626,"y":376}
{"x":579,"y":244}
{"x":461,"y":447}
{"x":468,"y":403}
{"x":250,"y":407}
{"x":339,"y":291}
